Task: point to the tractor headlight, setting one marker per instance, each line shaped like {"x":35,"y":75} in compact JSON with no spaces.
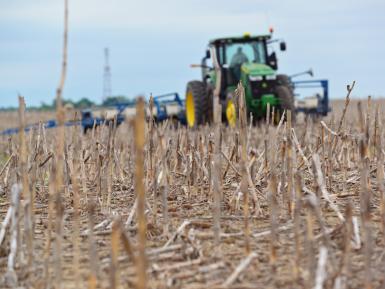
{"x":271,"y":77}
{"x":255,"y":78}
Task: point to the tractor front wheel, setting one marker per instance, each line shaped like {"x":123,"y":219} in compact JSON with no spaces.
{"x":197,"y":103}
{"x":284,"y":80}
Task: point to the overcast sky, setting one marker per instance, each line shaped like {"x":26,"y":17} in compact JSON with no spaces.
{"x":152,"y":43}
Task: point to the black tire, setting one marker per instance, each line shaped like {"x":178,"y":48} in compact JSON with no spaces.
{"x":284,"y":80}
{"x":286,"y":98}
{"x":201,"y":101}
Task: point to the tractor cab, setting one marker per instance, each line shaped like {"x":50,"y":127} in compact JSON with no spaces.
{"x":237,"y":52}
{"x":244,"y":59}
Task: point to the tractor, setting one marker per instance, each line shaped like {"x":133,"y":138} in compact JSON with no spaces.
{"x":246,"y":59}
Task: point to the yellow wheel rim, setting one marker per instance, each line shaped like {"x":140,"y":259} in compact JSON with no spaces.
{"x":231,"y":113}
{"x":190,"y":109}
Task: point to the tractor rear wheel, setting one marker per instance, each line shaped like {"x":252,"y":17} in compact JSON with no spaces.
{"x":286,"y":98}
{"x":197,"y":103}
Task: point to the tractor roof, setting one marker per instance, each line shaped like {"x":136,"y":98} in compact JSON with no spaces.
{"x":240,"y":39}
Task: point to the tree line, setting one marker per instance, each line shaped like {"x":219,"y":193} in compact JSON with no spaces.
{"x":79,"y":104}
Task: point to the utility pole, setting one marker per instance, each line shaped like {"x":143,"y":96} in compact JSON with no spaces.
{"x":107,"y":76}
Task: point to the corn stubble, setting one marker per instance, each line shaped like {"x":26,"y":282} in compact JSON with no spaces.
{"x":145,"y":205}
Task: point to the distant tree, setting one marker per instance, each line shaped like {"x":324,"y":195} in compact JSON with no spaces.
{"x":80,"y":104}
{"x":44,"y":106}
{"x":84,"y":103}
{"x":64,"y":102}
{"x":9,"y":108}
{"x":114,"y":100}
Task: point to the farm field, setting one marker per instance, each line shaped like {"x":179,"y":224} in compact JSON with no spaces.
{"x":291,"y":205}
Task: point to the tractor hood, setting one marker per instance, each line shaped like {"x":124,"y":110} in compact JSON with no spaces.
{"x":257,"y":69}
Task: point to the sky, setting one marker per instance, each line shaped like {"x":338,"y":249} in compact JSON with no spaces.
{"x":152,"y":43}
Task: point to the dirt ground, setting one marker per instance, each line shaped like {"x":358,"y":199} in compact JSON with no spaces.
{"x":297,"y":210}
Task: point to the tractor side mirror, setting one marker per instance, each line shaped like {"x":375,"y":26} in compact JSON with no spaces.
{"x":282,"y":46}
{"x":272,"y":60}
{"x":208,"y":55}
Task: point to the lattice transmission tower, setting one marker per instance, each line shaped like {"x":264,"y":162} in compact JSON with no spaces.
{"x":107,"y":76}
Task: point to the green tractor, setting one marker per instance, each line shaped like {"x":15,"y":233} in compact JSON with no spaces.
{"x":243,"y":59}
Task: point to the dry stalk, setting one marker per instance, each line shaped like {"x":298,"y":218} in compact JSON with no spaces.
{"x":115,"y":238}
{"x":289,"y":164}
{"x":140,"y":193}
{"x":4,"y":224}
{"x":163,"y":184}
{"x":324,"y":166}
{"x":245,"y":193}
{"x":239,"y":269}
{"x":59,"y":179}
{"x":273,"y":204}
{"x":11,"y":277}
{"x":345,"y":267}
{"x":229,"y":164}
{"x":151,"y":173}
{"x":215,"y":167}
{"x":321,"y":268}
{"x":126,"y":243}
{"x":132,"y":213}
{"x":92,"y":278}
{"x":345,"y":167}
{"x":365,"y":200}
{"x":177,"y":233}
{"x":321,"y":187}
{"x":297,"y":225}
{"x":6,"y":164}
{"x":283,"y":176}
{"x":367,"y":127}
{"x":329,"y":171}
{"x":216,"y":103}
{"x":27,"y":194}
{"x":242,"y":125}
{"x":266,"y":138}
{"x":356,"y":232}
{"x":297,"y":144}
{"x":380,"y":176}
{"x":58,"y":224}
{"x":109,"y":178}
{"x":347,"y":101}
{"x":76,"y":228}
{"x":48,"y":234}
{"x":216,"y":183}
{"x":309,"y":247}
